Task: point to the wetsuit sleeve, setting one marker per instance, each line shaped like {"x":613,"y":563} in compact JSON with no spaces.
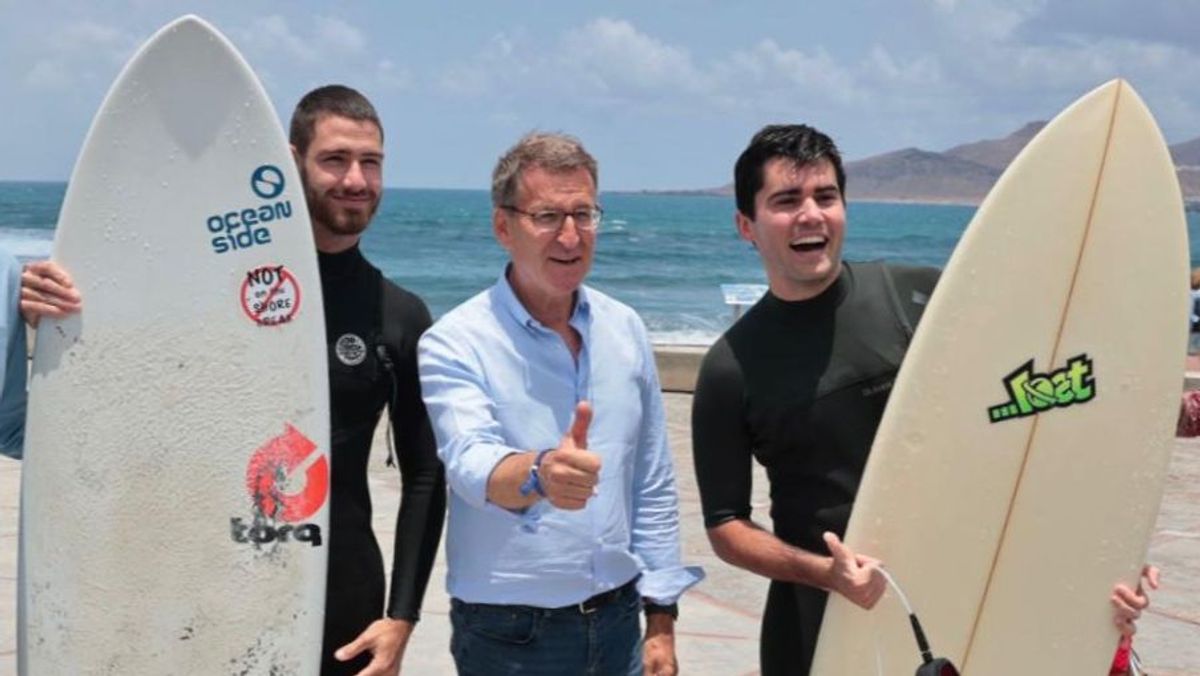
{"x":721,"y":445}
{"x":423,"y":490}
{"x":14,"y":367}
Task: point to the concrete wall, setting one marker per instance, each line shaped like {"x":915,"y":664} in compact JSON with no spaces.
{"x":678,"y":366}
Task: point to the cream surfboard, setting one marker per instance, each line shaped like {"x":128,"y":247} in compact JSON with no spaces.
{"x":175,"y":482}
{"x":1019,"y":466}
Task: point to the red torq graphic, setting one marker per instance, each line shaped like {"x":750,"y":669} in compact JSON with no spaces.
{"x":271,"y":480}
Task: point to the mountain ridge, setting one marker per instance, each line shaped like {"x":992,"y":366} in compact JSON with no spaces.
{"x":962,"y":174}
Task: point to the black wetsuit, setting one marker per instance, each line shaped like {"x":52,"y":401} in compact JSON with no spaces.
{"x":366,"y":318}
{"x":801,"y":386}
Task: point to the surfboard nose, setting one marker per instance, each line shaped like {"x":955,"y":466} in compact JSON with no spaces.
{"x":187,"y":22}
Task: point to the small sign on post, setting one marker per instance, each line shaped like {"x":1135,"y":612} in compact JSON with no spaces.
{"x":741,"y":296}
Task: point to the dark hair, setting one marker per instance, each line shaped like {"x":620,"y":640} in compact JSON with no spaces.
{"x":337,"y":100}
{"x":551,"y":151}
{"x":799,"y":143}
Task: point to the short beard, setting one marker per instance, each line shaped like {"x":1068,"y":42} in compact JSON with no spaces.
{"x":336,"y":221}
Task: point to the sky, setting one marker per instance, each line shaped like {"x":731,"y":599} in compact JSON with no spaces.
{"x":665,"y":93}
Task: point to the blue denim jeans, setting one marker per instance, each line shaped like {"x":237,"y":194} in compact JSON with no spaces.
{"x":491,"y":640}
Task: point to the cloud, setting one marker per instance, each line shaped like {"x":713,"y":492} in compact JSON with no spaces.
{"x":84,"y":36}
{"x":985,"y":20}
{"x":1159,"y":22}
{"x":980,"y":67}
{"x":315,"y":49}
{"x":923,"y":71}
{"x":48,"y":74}
{"x":273,"y":34}
{"x":1027,"y":60}
{"x":486,"y":74}
{"x":792,"y":73}
{"x":333,"y":33}
{"x":1024,"y":60}
{"x":616,"y":57}
{"x":78,"y":52}
{"x":389,"y":76}
{"x":609,"y":62}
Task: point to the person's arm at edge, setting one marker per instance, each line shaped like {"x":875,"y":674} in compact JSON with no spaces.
{"x":14,"y":369}
{"x":1128,"y":603}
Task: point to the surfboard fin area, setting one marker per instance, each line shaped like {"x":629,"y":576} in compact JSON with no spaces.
{"x":175,"y":485}
{"x":1043,"y":381}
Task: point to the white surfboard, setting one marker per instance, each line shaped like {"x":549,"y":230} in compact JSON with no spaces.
{"x":1019,"y":466}
{"x":175,"y":480}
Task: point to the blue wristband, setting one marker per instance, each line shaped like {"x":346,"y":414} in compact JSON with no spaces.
{"x":533,"y":482}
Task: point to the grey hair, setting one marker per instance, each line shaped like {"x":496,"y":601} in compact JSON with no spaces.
{"x":553,"y":152}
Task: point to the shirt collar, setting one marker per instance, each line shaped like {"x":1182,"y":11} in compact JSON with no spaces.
{"x":504,"y":296}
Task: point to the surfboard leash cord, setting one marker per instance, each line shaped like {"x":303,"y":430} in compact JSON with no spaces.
{"x":930,"y":665}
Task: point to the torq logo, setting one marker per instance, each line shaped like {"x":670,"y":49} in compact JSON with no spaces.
{"x":245,"y":227}
{"x":288,"y":480}
{"x":1031,"y":392}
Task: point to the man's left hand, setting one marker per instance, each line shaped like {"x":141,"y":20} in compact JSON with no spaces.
{"x":386,"y":640}
{"x":658,"y":650}
{"x":1128,"y":603}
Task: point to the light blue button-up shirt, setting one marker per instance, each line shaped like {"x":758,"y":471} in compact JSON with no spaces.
{"x":497,"y":382}
{"x":14,"y":367}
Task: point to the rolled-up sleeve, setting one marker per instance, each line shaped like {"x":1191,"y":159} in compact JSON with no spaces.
{"x":469,"y":438}
{"x":655,"y":532}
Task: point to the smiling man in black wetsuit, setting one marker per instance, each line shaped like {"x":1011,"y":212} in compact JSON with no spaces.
{"x":800,"y":383}
{"x":372,"y":327}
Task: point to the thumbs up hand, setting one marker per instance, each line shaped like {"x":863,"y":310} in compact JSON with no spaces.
{"x":569,"y":473}
{"x":854,"y":576}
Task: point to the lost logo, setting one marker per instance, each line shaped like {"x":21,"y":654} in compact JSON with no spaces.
{"x":1031,"y":393}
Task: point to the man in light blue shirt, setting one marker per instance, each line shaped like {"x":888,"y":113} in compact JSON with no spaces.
{"x":14,"y":368}
{"x":545,"y":401}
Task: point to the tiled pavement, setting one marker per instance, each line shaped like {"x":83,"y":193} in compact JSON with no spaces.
{"x":719,"y":620}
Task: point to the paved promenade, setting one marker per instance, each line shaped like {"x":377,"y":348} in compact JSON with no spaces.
{"x":719,"y":620}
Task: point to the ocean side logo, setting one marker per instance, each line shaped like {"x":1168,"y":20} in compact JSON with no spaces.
{"x":246,"y":227}
{"x":288,"y":480}
{"x":1031,"y":393}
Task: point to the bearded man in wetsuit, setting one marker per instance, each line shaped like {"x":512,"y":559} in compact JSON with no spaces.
{"x":800,"y":383}
{"x":371,"y":327}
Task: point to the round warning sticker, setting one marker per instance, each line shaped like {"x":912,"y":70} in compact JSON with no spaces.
{"x":270,"y":295}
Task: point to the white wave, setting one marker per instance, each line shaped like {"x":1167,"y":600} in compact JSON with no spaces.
{"x":683,"y":337}
{"x":26,"y":243}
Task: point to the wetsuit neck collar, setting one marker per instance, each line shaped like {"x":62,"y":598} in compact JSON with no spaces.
{"x":340,"y":263}
{"x":829,"y":298}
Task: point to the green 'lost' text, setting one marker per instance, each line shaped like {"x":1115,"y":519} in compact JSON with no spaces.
{"x":1031,"y":392}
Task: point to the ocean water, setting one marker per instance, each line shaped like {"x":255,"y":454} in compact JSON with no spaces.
{"x":665,"y":255}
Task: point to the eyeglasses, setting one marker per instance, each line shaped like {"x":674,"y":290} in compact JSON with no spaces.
{"x":552,"y":220}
